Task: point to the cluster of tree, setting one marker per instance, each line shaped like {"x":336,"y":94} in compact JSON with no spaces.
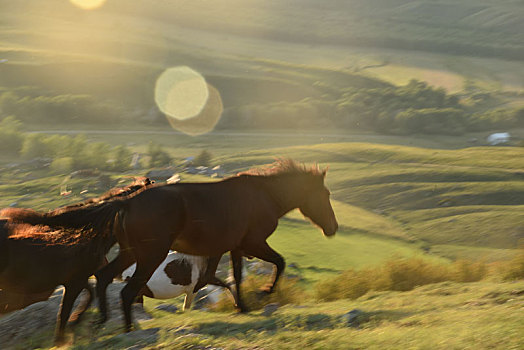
{"x":66,"y":152}
{"x":59,"y":108}
{"x":413,"y":108}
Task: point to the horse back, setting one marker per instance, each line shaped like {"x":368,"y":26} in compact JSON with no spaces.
{"x":219,"y":215}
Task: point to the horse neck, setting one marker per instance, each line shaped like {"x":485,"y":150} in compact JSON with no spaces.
{"x":286,"y":191}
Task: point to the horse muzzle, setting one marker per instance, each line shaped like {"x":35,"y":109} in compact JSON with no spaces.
{"x":330,"y":232}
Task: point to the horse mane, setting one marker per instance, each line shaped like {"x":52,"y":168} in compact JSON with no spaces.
{"x":283,"y":167}
{"x":116,"y":192}
{"x":92,"y":214}
{"x":46,"y":235}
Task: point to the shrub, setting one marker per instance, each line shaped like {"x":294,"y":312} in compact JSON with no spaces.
{"x":468,"y":271}
{"x":406,"y":274}
{"x":514,"y":269}
{"x":399,"y":274}
{"x":287,"y":292}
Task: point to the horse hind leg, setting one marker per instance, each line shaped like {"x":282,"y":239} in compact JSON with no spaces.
{"x":149,"y":258}
{"x":188,"y":300}
{"x":264,"y":252}
{"x":105,"y":276}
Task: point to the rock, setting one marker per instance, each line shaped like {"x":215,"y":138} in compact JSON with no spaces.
{"x":139,"y":314}
{"x":167,"y":308}
{"x":207,"y":296}
{"x":269,"y":309}
{"x":21,"y":324}
{"x":351,"y":318}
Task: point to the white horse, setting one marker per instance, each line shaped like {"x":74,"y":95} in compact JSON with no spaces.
{"x":178,"y":274}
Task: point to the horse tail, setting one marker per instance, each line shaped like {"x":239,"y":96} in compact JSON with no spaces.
{"x":96,"y":217}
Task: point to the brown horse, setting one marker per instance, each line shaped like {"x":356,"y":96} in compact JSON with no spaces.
{"x":35,"y":259}
{"x":11,"y":301}
{"x":236,"y":214}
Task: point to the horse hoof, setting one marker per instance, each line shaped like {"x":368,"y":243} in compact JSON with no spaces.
{"x":60,"y":340}
{"x":264,"y":291}
{"x":242,"y":309}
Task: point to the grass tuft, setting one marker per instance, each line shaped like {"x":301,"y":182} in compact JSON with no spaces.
{"x":397,"y":274}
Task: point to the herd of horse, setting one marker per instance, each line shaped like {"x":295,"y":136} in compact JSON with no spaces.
{"x":40,"y":251}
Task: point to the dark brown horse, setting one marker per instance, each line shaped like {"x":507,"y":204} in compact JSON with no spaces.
{"x":237,"y":214}
{"x":35,"y":259}
{"x":10,"y":301}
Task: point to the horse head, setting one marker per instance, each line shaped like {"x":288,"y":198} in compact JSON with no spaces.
{"x":316,"y":205}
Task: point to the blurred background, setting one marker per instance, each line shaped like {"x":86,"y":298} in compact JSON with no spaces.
{"x":416,"y":106}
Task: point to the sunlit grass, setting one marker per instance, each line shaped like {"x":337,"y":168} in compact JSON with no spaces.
{"x":440,"y":316}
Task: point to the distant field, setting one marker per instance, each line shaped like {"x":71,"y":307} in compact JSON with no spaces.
{"x":384,"y":196}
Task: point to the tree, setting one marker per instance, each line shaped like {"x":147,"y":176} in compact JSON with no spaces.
{"x":159,"y":157}
{"x":122,"y":158}
{"x":203,"y":159}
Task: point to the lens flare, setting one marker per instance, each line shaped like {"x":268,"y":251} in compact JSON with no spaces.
{"x":181,"y":93}
{"x":88,"y":4}
{"x":190,"y":104}
{"x":206,"y":120}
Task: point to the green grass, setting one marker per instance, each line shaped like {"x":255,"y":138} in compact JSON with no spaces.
{"x":318,"y":257}
{"x":481,"y":315}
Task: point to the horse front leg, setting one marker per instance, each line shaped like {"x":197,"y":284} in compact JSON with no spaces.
{"x":264,"y":252}
{"x":236,"y":262}
{"x":71,"y":291}
{"x":218,"y":282}
{"x":209,"y":274}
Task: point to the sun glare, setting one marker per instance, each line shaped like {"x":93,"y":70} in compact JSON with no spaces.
{"x":88,"y":4}
{"x":181,"y":93}
{"x":206,"y":120}
{"x":189,"y":102}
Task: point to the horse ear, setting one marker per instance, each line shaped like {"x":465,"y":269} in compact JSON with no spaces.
{"x":324,"y":172}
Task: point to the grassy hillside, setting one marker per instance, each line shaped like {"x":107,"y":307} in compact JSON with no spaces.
{"x":457,"y":198}
{"x":403,"y":199}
